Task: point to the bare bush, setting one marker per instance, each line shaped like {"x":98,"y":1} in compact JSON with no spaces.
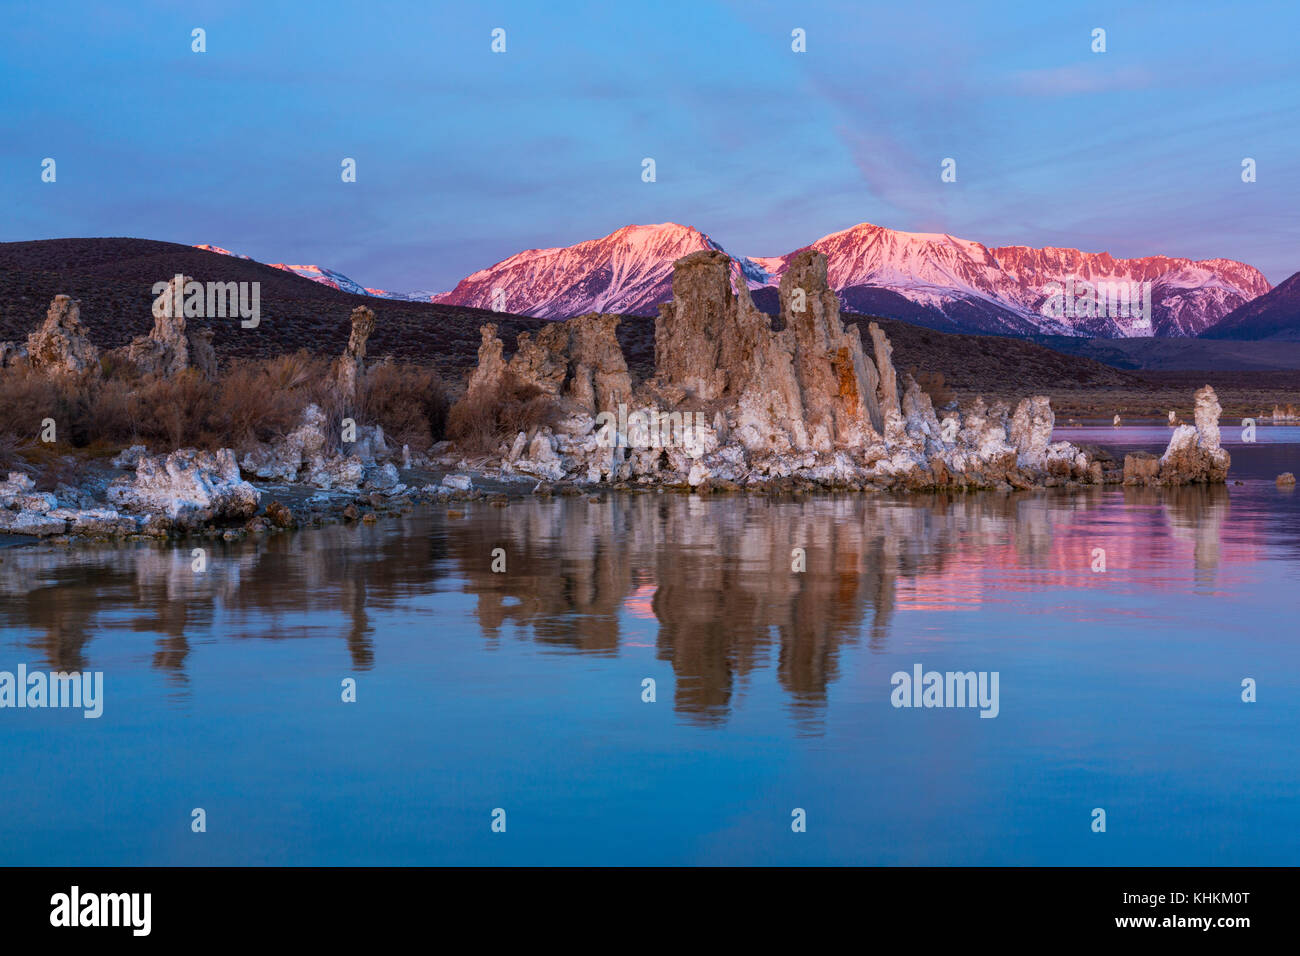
{"x":409,"y":401}
{"x":253,"y":400}
{"x":482,"y":420}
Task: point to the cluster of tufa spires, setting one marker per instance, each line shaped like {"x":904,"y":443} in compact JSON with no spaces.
{"x":802,"y":401}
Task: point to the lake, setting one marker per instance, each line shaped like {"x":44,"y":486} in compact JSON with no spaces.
{"x":519,"y":695}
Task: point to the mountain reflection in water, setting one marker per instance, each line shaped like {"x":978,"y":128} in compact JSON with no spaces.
{"x":707,"y":583}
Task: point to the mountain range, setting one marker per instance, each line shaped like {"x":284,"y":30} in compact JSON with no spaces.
{"x":113,"y":278}
{"x":929,"y":279}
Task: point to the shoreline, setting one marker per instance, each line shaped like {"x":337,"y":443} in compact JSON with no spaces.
{"x":288,"y":507}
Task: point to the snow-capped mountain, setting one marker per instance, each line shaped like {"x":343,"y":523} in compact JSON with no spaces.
{"x":927,"y":278}
{"x":628,"y":271}
{"x":335,"y":280}
{"x":965,"y":284}
{"x":1186,"y":296}
{"x":224,"y":252}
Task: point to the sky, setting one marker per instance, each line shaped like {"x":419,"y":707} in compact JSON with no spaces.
{"x":465,"y":156}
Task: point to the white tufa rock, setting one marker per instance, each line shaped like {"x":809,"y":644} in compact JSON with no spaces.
{"x":1031,"y":431}
{"x":458,"y":483}
{"x":188,"y":486}
{"x":130,"y":457}
{"x":61,"y":346}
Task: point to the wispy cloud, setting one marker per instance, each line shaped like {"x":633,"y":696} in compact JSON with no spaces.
{"x":1079,"y":79}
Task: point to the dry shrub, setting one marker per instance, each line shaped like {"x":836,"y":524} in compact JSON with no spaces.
{"x":115,"y":368}
{"x":10,"y":458}
{"x":26,"y":399}
{"x":261,"y":401}
{"x":253,"y":400}
{"x":176,"y":412}
{"x":481,"y":421}
{"x":114,"y":417}
{"x":292,"y":371}
{"x":409,"y":401}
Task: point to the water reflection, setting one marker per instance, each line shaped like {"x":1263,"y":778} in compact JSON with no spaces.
{"x":708,"y":581}
{"x":716,"y":574}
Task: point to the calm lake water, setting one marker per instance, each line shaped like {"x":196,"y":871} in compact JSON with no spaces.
{"x":522,"y":690}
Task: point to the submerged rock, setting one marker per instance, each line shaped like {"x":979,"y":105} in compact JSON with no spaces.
{"x":383,"y":478}
{"x":280,"y":515}
{"x":1141,"y":468}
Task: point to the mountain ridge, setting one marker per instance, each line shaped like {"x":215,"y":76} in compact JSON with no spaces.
{"x":936,"y":280}
{"x":1273,"y":316}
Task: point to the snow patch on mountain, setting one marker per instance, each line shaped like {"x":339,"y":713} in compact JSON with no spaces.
{"x":329,"y":277}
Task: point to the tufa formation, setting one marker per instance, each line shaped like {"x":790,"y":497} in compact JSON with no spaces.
{"x":737,"y":402}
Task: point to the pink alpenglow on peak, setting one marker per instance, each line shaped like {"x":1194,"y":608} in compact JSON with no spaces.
{"x":629,"y":271}
{"x":335,"y":280}
{"x":931,"y":279}
{"x":223,"y":252}
{"x":329,"y":277}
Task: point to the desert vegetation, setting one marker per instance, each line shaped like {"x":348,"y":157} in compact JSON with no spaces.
{"x":250,"y":401}
{"x":485,"y":418}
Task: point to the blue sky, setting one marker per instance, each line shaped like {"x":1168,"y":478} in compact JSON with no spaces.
{"x":465,"y":156}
